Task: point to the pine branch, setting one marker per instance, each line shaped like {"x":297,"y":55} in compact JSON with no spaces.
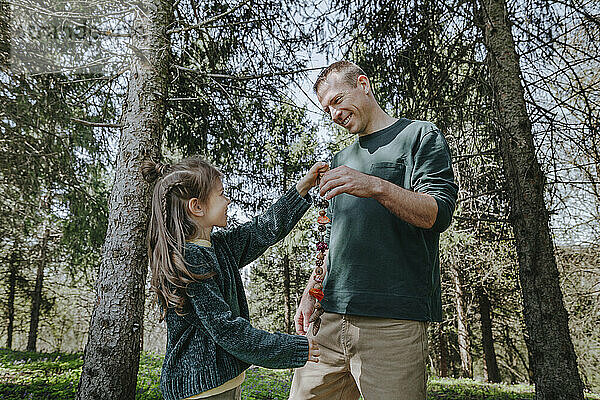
{"x":97,"y":124}
{"x":209,"y":20}
{"x":246,"y":77}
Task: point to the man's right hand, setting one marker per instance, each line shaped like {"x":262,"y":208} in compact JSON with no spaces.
{"x":303,"y":313}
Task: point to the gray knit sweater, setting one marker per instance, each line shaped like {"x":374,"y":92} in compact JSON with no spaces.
{"x":214,"y":341}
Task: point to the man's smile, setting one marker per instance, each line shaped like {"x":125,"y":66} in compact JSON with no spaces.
{"x":345,"y":122}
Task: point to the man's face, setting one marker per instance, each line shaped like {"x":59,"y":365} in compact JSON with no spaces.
{"x":347,"y":105}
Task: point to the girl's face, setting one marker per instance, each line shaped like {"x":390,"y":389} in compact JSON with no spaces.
{"x":216,"y":207}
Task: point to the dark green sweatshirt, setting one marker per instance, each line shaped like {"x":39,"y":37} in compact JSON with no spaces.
{"x":379,"y":265}
{"x":214,"y":341}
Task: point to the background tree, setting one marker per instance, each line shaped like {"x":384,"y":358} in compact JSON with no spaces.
{"x":559,"y":60}
{"x":579,"y":267}
{"x":116,"y":325}
{"x":554,"y":362}
{"x":43,"y":172}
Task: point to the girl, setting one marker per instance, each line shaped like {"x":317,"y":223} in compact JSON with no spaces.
{"x":195,"y":275}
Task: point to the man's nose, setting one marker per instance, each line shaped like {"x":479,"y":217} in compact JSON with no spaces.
{"x":335,"y":114}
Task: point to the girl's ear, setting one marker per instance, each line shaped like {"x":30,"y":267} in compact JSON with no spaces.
{"x":195,"y":208}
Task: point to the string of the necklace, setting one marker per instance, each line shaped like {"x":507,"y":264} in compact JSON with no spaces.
{"x":317,"y":290}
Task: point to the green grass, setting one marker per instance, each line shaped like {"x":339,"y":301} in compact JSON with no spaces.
{"x":54,"y":376}
{"x":51,"y":376}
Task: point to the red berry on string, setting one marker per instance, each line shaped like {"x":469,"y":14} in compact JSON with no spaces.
{"x":323,"y":219}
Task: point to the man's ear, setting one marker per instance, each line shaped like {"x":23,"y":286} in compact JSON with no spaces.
{"x":195,"y":208}
{"x":364,"y":84}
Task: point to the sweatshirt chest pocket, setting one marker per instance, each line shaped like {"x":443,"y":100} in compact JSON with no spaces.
{"x":390,"y":171}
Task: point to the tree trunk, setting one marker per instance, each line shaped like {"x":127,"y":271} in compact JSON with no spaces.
{"x":512,"y":351}
{"x":553,"y":358}
{"x":443,"y":352}
{"x":462,"y":324}
{"x":12,"y":283}
{"x":492,"y":374}
{"x":5,"y":40}
{"x":112,"y":352}
{"x":36,"y":300}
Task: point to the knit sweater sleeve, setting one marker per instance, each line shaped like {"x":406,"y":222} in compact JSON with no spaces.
{"x":249,"y":241}
{"x":235,"y":334}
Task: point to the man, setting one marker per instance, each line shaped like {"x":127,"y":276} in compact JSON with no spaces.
{"x":391,"y":193}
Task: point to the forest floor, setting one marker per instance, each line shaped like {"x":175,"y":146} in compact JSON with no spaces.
{"x":54,"y":376}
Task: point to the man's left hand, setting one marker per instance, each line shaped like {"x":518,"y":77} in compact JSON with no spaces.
{"x":344,"y":179}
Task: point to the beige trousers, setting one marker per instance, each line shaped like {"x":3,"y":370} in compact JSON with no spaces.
{"x":380,"y":358}
{"x":233,"y":394}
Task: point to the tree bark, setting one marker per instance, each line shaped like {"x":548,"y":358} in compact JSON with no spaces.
{"x":5,"y":40}
{"x":462,"y":325}
{"x":36,"y":300}
{"x":553,"y":358}
{"x":492,"y":374}
{"x":12,"y":283}
{"x":111,"y":358}
{"x":443,"y":352}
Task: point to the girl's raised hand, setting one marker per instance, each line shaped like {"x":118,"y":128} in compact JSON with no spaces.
{"x":313,"y":351}
{"x":311,"y":178}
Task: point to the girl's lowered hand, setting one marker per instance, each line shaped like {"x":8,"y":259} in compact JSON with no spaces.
{"x":313,"y":351}
{"x":311,"y":178}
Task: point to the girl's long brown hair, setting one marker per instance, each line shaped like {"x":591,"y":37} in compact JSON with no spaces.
{"x":171,"y":225}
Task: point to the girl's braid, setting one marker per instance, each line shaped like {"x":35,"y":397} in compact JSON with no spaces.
{"x":164,"y":198}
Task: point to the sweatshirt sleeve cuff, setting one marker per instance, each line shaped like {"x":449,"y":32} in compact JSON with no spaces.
{"x":443,"y":218}
{"x":296,"y":201}
{"x":300,"y":353}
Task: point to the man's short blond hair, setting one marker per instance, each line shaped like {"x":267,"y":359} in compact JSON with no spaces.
{"x":348,"y":70}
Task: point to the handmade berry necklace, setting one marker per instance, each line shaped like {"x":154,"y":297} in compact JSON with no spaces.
{"x":317,"y":290}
